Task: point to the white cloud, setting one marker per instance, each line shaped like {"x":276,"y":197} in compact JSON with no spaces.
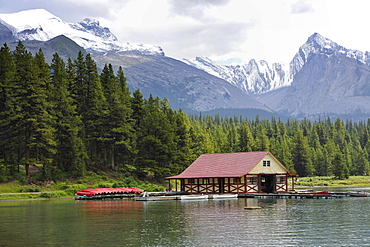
{"x":194,"y":8}
{"x":225,"y":30}
{"x":302,"y":7}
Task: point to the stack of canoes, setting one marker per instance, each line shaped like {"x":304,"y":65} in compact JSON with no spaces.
{"x":108,"y":191}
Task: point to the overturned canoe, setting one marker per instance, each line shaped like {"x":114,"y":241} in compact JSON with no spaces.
{"x":194,"y":197}
{"x":224,"y":196}
{"x":252,"y":208}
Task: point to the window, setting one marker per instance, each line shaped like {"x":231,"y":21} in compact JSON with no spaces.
{"x":282,"y":179}
{"x":191,"y":180}
{"x":205,"y":180}
{"x":237,"y":180}
{"x":266,"y":163}
{"x":252,"y":180}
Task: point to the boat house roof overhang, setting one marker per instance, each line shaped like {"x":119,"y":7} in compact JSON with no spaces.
{"x":223,"y":165}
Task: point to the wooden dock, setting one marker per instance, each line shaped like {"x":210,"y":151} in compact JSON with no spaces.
{"x":330,"y":195}
{"x":160,"y":196}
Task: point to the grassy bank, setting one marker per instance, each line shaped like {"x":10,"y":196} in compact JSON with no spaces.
{"x":331,"y":182}
{"x":20,"y":189}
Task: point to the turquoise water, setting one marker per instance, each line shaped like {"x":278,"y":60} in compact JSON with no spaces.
{"x":279,"y":222}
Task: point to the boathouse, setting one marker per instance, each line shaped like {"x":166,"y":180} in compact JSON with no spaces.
{"x":245,"y":172}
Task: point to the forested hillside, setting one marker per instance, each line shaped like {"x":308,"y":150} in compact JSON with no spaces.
{"x":68,"y":118}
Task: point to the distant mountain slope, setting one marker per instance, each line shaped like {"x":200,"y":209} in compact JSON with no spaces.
{"x":184,"y":86}
{"x":65,"y":47}
{"x":323,"y":79}
{"x":145,"y":66}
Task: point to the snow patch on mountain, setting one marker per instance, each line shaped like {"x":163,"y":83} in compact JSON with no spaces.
{"x":256,"y":77}
{"x":39,"y":24}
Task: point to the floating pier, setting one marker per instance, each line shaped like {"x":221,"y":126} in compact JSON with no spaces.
{"x":161,"y":196}
{"x":296,"y":195}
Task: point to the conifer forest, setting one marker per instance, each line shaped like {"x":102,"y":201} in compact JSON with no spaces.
{"x":68,"y":118}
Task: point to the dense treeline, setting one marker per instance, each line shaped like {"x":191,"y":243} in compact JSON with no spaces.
{"x":319,"y":148}
{"x":69,"y":119}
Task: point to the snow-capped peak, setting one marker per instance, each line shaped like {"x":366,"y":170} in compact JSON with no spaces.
{"x":258,"y":77}
{"x":318,"y":44}
{"x":39,"y":24}
{"x":254,"y":78}
{"x":28,"y":19}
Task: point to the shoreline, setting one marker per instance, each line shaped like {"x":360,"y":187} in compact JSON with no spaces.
{"x":36,"y":199}
{"x":69,"y":198}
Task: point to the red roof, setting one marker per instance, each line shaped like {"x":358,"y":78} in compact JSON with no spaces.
{"x":222,"y":165}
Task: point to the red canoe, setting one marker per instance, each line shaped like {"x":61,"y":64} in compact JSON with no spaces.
{"x":105,"y":191}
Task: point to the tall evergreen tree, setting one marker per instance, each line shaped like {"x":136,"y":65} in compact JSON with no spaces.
{"x":183,"y":154}
{"x":8,"y":130}
{"x":137,"y":104}
{"x":33,"y":117}
{"x":119,"y":122}
{"x":262,"y":142}
{"x":156,"y":140}
{"x":301,"y":155}
{"x":339,"y":167}
{"x":95,"y":115}
{"x":44,"y":131}
{"x":71,"y":153}
{"x":246,"y":141}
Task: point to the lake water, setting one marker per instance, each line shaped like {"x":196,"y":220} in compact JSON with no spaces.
{"x":279,"y":222}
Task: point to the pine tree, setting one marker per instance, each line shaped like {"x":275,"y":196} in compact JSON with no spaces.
{"x":339,"y":167}
{"x":8,"y":104}
{"x":262,"y":142}
{"x":246,"y":141}
{"x":119,"y":122}
{"x":94,"y":118}
{"x":156,"y":140}
{"x":33,"y":117}
{"x":301,"y":155}
{"x":71,"y":155}
{"x":183,"y":153}
{"x":137,"y":105}
{"x":44,"y":131}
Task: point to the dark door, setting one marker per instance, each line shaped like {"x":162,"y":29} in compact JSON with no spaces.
{"x":268,"y":183}
{"x":221,"y":184}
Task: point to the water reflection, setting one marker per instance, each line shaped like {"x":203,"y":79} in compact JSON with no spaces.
{"x":279,"y":222}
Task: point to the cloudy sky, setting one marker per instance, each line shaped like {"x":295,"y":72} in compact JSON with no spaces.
{"x":228,"y":31}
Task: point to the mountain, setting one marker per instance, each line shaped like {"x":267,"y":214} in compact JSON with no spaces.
{"x":329,"y":80}
{"x":259,"y":77}
{"x":65,"y":47}
{"x":256,"y":77}
{"x":323,"y":79}
{"x":41,"y":25}
{"x":146,"y":66}
{"x":187,"y":87}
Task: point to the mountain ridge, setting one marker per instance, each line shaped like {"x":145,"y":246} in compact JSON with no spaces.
{"x":323,"y":78}
{"x":147,"y":69}
{"x":39,"y":24}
